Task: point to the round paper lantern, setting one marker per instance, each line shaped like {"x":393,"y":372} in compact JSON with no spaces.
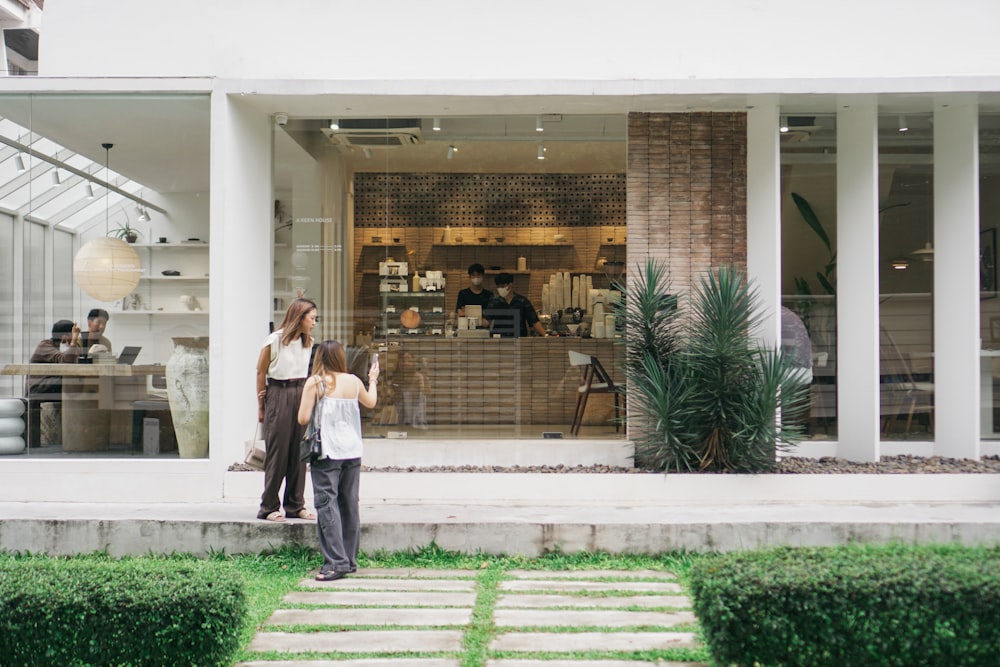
{"x":107,"y":269}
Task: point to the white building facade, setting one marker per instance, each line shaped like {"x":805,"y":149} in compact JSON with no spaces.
{"x":221,"y":113}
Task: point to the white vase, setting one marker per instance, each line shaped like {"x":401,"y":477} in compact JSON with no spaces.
{"x":187,"y":391}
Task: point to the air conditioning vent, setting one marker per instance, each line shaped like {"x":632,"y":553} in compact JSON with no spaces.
{"x":376,"y":132}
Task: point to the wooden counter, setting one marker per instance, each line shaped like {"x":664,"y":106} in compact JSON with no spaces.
{"x":500,"y":381}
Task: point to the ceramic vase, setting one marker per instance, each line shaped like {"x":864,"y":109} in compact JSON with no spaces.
{"x":187,"y":391}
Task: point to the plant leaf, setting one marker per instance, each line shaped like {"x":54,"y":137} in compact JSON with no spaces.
{"x":807,"y":213}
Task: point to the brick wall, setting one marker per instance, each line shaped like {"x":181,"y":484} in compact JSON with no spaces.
{"x":686,"y":192}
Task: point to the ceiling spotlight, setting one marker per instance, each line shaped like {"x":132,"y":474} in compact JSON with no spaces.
{"x":783,"y":126}
{"x":903,"y":127}
{"x":437,"y":124}
{"x":538,"y":124}
{"x":451,"y":152}
{"x":334,"y":125}
{"x":55,"y":177}
{"x":90,"y":191}
{"x":541,"y":152}
{"x":19,"y":162}
{"x":143,"y":214}
{"x":368,"y":153}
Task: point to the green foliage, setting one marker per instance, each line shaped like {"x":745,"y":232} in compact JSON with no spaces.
{"x":886,"y":606}
{"x":708,"y":396}
{"x":99,"y":611}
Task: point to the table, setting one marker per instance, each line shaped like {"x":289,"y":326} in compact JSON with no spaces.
{"x":90,"y":395}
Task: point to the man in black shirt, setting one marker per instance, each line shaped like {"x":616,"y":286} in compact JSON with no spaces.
{"x":511,"y":314}
{"x":475,"y":294}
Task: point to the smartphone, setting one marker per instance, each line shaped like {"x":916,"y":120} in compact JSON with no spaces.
{"x":375,"y":360}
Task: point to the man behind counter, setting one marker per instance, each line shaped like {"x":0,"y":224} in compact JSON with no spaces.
{"x":475,"y":294}
{"x":511,"y":314}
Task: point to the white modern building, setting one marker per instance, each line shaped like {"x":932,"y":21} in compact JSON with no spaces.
{"x":269,"y":150}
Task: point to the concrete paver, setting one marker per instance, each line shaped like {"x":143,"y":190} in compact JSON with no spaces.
{"x":361,"y":583}
{"x":582,"y":663}
{"x":591,"y":574}
{"x":413,"y":573}
{"x":609,"y":618}
{"x":527,"y":600}
{"x":386,"y":598}
{"x":369,"y":616}
{"x":591,"y":641}
{"x":361,"y":662}
{"x":553,"y":585}
{"x":359,"y":641}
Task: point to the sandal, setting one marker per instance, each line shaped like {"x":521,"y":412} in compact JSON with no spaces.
{"x":302,"y":514}
{"x":274,"y":516}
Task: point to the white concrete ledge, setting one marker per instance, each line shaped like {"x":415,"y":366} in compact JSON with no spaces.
{"x":644,"y":489}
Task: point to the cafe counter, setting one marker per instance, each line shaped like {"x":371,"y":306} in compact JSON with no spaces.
{"x":490,"y":380}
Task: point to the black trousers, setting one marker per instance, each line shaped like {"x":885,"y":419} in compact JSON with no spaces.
{"x":335,"y":486}
{"x":282,"y":434}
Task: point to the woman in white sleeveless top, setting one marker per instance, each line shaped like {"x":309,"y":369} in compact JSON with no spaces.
{"x":282,"y":368}
{"x":336,"y":474}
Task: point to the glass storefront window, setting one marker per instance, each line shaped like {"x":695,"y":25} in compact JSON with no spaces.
{"x":80,"y":170}
{"x":381,"y":232}
{"x":808,"y":258}
{"x":906,"y":276}
{"x":989,"y":304}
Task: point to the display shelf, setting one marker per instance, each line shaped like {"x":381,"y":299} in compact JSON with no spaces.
{"x":179,"y":279}
{"x":193,"y":245}
{"x":494,"y":244}
{"x":137,"y":313}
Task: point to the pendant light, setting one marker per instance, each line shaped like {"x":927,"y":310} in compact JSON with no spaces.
{"x":107,"y":268}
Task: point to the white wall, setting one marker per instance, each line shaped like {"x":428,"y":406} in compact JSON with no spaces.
{"x":581,"y":40}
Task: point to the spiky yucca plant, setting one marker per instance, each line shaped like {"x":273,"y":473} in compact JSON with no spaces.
{"x":706,"y":395}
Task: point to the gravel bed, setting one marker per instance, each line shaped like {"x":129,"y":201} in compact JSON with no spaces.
{"x":793,"y":465}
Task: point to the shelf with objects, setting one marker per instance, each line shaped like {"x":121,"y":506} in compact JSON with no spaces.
{"x":410,"y":305}
{"x":174,"y":281}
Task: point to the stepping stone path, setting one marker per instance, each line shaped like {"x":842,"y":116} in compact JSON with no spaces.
{"x":418,"y":618}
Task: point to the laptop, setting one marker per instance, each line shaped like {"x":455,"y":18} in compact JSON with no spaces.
{"x":128,"y":354}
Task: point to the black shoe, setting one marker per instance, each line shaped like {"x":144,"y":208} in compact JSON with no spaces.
{"x":330,"y":576}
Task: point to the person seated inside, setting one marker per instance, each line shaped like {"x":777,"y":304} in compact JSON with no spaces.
{"x":511,"y":314}
{"x":97,"y":321}
{"x":475,"y":294}
{"x":64,"y":347}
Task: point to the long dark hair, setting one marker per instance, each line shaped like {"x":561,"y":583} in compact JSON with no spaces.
{"x":330,"y":357}
{"x":291,"y":326}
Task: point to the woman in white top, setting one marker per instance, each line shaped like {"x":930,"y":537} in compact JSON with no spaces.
{"x":282,"y":368}
{"x":336,"y":474}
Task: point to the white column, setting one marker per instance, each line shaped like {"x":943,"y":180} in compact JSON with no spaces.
{"x":764,"y":216}
{"x":956,"y":281}
{"x":241,"y":269}
{"x":857,"y":282}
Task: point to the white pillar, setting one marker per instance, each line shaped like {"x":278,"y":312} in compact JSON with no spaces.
{"x":857,"y":282}
{"x":241,"y":269}
{"x":956,"y":281}
{"x":764,"y":216}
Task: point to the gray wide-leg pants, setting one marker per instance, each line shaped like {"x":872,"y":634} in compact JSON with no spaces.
{"x":335,"y":488}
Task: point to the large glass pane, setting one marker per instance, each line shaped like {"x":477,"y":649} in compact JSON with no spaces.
{"x":906,"y":276}
{"x":989,"y":312}
{"x":382,"y":230}
{"x":808,"y":264}
{"x":79,"y":169}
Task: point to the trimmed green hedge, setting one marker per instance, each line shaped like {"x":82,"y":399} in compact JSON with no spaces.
{"x":856,"y":605}
{"x":136,"y":612}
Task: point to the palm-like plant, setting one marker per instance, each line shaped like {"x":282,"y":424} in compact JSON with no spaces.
{"x":708,"y":396}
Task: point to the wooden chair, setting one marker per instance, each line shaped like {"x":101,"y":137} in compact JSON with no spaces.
{"x":594,"y":379}
{"x":901,"y":394}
